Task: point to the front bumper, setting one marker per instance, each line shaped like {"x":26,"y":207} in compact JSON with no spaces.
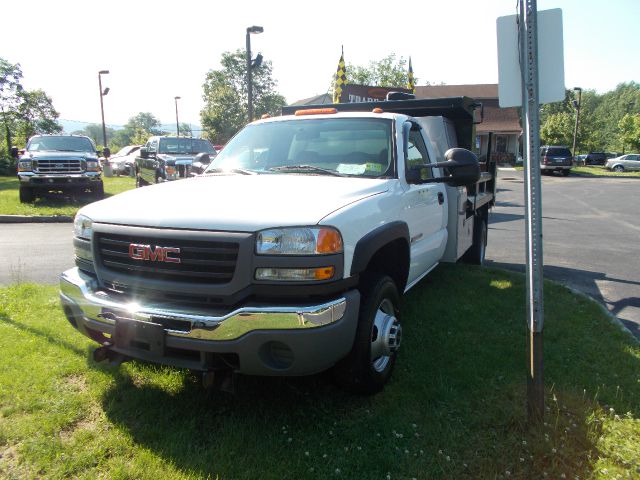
{"x":60,"y":181}
{"x":254,"y":339}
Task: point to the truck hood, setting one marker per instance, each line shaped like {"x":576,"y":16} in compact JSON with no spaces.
{"x":242,"y":203}
{"x":55,"y":155}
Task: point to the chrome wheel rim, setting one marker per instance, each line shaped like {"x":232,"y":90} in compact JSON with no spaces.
{"x":386,"y":335}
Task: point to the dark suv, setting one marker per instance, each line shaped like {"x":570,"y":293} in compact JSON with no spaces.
{"x":169,"y":158}
{"x":555,"y":159}
{"x":595,"y":158}
{"x":66,"y":163}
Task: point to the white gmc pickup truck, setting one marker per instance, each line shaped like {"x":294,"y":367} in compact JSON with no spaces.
{"x":289,"y":254}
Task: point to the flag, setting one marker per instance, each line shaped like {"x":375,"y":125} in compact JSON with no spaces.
{"x":341,"y":79}
{"x":410,"y":85}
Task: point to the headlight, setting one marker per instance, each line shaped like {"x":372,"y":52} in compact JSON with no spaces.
{"x":295,"y":274}
{"x":82,"y":227}
{"x":92,"y":166}
{"x":299,"y":241}
{"x":25,"y":166}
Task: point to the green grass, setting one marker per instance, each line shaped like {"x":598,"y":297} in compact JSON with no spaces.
{"x":455,"y":408}
{"x":602,"y":172}
{"x":55,"y":205}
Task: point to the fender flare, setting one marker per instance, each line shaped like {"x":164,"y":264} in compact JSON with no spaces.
{"x":373,"y":241}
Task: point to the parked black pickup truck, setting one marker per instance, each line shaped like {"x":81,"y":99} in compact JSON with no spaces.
{"x":168,"y":158}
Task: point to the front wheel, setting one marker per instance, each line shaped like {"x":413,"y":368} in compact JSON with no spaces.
{"x":98,"y":191}
{"x":26,"y":194}
{"x":618,"y":168}
{"x":368,"y":366}
{"x":566,"y":172}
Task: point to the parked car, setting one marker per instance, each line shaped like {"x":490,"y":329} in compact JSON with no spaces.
{"x":123,"y":162}
{"x":58,"y":163}
{"x":168,"y":158}
{"x":595,"y":158}
{"x":581,"y":159}
{"x":555,"y":159}
{"x":623,"y":163}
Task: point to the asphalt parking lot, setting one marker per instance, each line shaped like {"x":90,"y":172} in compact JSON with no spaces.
{"x":590,"y":228}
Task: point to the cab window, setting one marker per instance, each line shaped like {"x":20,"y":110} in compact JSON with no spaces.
{"x":417,"y":154}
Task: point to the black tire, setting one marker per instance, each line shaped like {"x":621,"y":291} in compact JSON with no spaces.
{"x":368,"y":366}
{"x":98,"y":191}
{"x":140,"y":182}
{"x":26,"y":195}
{"x":618,"y":168}
{"x":476,"y":253}
{"x":566,"y":172}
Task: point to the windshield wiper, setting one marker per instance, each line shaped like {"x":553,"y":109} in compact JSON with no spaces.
{"x":306,"y":168}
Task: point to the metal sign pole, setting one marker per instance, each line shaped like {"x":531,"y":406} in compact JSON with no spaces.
{"x":528,"y":34}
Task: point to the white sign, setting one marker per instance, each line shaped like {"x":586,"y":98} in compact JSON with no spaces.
{"x":550,"y":59}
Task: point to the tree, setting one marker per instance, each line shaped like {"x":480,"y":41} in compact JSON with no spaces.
{"x":185,"y":130}
{"x":140,"y":127}
{"x":557,"y":129}
{"x":10,"y":89}
{"x":629,"y":127}
{"x":225,"y":96}
{"x":387,"y":72}
{"x":94,"y":132}
{"x":36,"y":114}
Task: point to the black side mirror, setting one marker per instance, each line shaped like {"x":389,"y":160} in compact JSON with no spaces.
{"x":14,"y":152}
{"x":203,"y":158}
{"x":463,"y":166}
{"x":144,"y":152}
{"x":106,"y":153}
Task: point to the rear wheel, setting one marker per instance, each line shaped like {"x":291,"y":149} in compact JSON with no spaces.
{"x":26,"y":195}
{"x":566,"y":172}
{"x":618,"y":168}
{"x":476,"y":253}
{"x":368,"y":366}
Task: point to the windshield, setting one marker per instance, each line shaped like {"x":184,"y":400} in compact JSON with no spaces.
{"x":185,"y":145}
{"x":61,"y":144}
{"x":346,"y":146}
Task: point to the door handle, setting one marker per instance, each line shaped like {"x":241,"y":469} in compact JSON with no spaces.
{"x":440,"y":198}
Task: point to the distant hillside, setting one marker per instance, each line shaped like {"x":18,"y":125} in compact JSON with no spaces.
{"x":70,"y":126}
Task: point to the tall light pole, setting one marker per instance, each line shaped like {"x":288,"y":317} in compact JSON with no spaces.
{"x":576,"y":104}
{"x":177,"y":124}
{"x":102,"y":94}
{"x":250,"y":30}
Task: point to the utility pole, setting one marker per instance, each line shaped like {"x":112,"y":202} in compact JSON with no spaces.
{"x":576,"y":104}
{"x":528,"y":25}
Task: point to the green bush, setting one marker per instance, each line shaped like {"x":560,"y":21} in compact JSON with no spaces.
{"x":7,"y":167}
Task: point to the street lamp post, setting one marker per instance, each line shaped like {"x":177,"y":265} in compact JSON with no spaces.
{"x":576,"y":104}
{"x":177,"y":124}
{"x":102,"y":94}
{"x":250,"y":30}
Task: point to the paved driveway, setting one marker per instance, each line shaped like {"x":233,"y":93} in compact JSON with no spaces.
{"x":591,"y":230}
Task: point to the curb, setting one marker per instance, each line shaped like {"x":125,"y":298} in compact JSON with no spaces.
{"x":35,"y":219}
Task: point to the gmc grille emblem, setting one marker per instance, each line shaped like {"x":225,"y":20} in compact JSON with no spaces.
{"x":138,"y":251}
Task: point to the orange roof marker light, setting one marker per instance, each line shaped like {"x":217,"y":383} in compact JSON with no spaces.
{"x":377,"y":110}
{"x":265,"y":115}
{"x":316,"y":111}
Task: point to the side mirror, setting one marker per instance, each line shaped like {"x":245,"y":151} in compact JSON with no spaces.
{"x":144,"y":152}
{"x":203,"y":158}
{"x":14,"y":152}
{"x":106,"y":153}
{"x":463,"y":165}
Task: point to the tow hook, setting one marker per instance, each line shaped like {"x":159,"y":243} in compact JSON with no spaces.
{"x":105,"y":353}
{"x":222,"y":380}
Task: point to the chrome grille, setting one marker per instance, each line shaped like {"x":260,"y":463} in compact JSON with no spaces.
{"x":201,"y":261}
{"x":66,"y":165}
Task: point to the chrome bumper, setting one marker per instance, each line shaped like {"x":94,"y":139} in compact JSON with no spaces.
{"x":80,"y":292}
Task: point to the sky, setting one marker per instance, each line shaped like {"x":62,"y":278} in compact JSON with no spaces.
{"x":156,"y":50}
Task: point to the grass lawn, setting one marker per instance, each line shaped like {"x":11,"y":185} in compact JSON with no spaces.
{"x":455,"y":407}
{"x":55,"y":205}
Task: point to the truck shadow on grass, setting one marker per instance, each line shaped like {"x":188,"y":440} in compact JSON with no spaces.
{"x":455,"y":408}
